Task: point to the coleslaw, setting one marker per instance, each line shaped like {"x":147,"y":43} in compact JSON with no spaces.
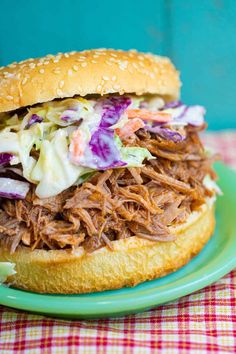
{"x":58,"y":142}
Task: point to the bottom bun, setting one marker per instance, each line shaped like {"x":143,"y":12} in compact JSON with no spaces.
{"x":134,"y":260}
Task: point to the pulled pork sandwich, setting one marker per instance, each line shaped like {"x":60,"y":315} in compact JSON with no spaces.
{"x":104,"y":180}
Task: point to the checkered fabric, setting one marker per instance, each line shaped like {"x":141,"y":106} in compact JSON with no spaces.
{"x":203,"y":322}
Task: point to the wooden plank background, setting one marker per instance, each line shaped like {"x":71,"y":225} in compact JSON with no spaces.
{"x":199,"y":36}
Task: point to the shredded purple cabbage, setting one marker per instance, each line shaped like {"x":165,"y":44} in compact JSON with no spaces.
{"x":113,"y":108}
{"x":105,"y":151}
{"x":166,"y":133}
{"x":65,"y":118}
{"x":11,"y":195}
{"x":169,"y":134}
{"x":102,"y":143}
{"x":34,"y":119}
{"x":193,"y":115}
{"x":71,"y":114}
{"x":13,"y":189}
{"x":5,"y":158}
{"x":173,"y":104}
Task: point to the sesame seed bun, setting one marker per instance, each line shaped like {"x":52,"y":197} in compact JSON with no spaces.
{"x":101,"y":71}
{"x":133,"y":260}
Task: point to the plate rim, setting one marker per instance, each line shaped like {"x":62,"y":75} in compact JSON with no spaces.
{"x":145,"y":301}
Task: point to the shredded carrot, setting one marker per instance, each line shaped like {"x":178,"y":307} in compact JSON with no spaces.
{"x":76,"y":146}
{"x":129,"y":128}
{"x":145,"y":114}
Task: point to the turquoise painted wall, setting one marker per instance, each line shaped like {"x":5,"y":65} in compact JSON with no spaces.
{"x":199,"y":36}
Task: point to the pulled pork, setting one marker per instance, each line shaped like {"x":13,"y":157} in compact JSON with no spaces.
{"x":115,"y":204}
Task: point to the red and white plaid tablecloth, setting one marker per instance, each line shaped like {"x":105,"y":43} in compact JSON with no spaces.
{"x":204,"y":322}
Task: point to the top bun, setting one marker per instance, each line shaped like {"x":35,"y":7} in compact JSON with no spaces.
{"x":99,"y":71}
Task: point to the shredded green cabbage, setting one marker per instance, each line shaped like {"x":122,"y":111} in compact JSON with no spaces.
{"x":133,"y":156}
{"x":53,"y":171}
{"x":6,"y":269}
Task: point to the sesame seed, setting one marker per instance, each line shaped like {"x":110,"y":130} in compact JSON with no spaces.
{"x":5,"y":73}
{"x":73,"y":52}
{"x":12,"y":65}
{"x":61,"y":84}
{"x":99,"y":88}
{"x":135,"y":65}
{"x":70,"y":72}
{"x":105,"y":78}
{"x":123,"y":64}
{"x":31,"y":59}
{"x":114,"y":55}
{"x":32,"y":65}
{"x":41,"y":71}
{"x":24,"y":81}
{"x":55,"y":60}
{"x":94,"y":61}
{"x":116,"y":87}
{"x":108,"y":62}
{"x":39,"y":64}
{"x":75,"y":67}
{"x":9,"y":98}
{"x":66,"y":55}
{"x":46,"y":62}
{"x":59,"y":92}
{"x":95,"y":56}
{"x":84,"y":64}
{"x":57,"y":71}
{"x":113,"y":78}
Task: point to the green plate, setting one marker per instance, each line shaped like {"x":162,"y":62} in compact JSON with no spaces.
{"x":216,"y":259}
